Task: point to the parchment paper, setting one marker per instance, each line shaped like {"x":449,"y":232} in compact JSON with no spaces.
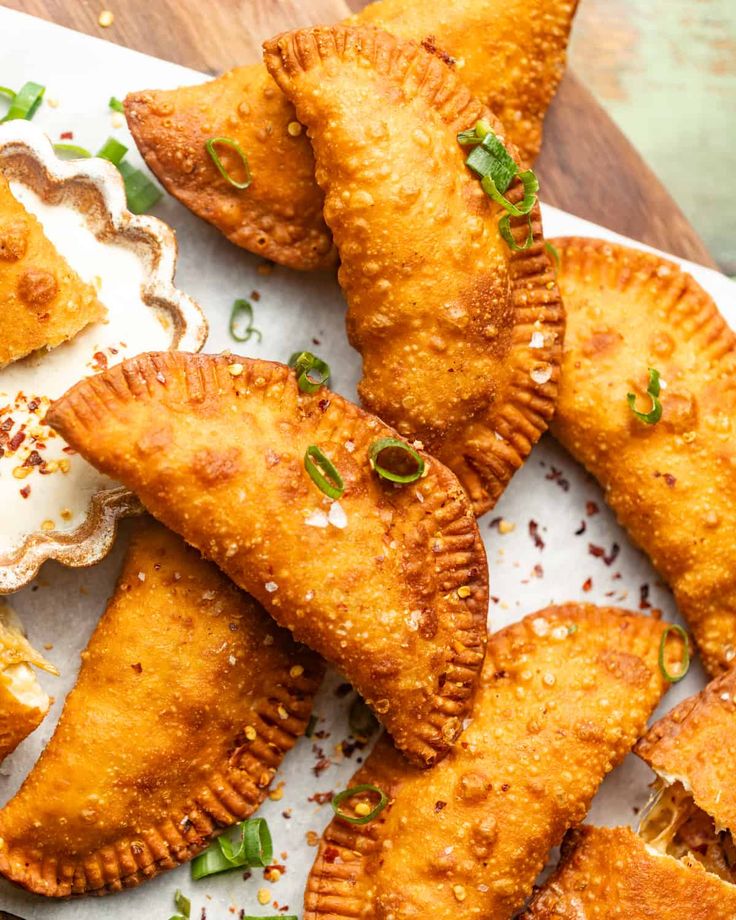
{"x":550,"y":496}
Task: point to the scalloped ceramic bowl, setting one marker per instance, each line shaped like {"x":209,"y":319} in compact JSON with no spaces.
{"x":62,"y":508}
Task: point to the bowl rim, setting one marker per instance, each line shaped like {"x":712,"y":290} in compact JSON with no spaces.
{"x":95,"y":188}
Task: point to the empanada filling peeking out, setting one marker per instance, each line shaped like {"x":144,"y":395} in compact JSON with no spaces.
{"x":674,"y":825}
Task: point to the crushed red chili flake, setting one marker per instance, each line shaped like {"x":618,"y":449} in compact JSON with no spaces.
{"x":534,"y":534}
{"x":7,"y":424}
{"x":25,"y":491}
{"x":555,"y":475}
{"x":350,"y":747}
{"x":316,"y":341}
{"x":324,"y":404}
{"x":538,"y":571}
{"x":17,"y":439}
{"x":587,"y":584}
{"x":583,"y":527}
{"x":330,"y":854}
{"x":430,"y":44}
{"x":32,"y":405}
{"x":322,"y":798}
{"x":137,"y":667}
{"x":69,"y":450}
{"x":591,"y":508}
{"x":33,"y":459}
{"x":495,"y":523}
{"x":100,"y":361}
{"x":644,"y":597}
{"x":600,"y":553}
{"x":67,"y":136}
{"x":438,"y":806}
{"x":255,"y":295}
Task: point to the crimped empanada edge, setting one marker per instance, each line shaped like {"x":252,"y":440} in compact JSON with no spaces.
{"x":509,"y":430}
{"x":233,"y":794}
{"x":433,"y":733}
{"x":335,"y":889}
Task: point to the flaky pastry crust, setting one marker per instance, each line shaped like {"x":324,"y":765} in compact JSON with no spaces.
{"x":394,"y":594}
{"x":510,"y":54}
{"x":43,"y":302}
{"x":188,"y":698}
{"x":564,"y":694}
{"x":609,"y":874}
{"x":461,"y":337}
{"x":673,"y":484}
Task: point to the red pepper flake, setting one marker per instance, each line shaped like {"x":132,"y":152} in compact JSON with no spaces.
{"x":587,"y":584}
{"x":137,"y":667}
{"x":534,"y":534}
{"x":330,"y":854}
{"x":555,"y":475}
{"x":600,"y":553}
{"x":67,"y":135}
{"x":25,"y":491}
{"x":316,"y":341}
{"x":591,"y":508}
{"x":255,"y":295}
{"x":100,"y":361}
{"x":583,"y":527}
{"x":438,"y":806}
{"x":644,"y":597}
{"x":7,"y":424}
{"x":324,"y":404}
{"x":538,"y":571}
{"x":670,"y":480}
{"x":32,"y":405}
{"x":33,"y":459}
{"x":322,"y":798}
{"x":495,"y":524}
{"x":17,"y":439}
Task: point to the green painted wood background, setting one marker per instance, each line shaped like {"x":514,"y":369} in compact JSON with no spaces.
{"x":665,"y":70}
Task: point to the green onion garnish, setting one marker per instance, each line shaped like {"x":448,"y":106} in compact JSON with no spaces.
{"x":553,"y":254}
{"x":674,"y":678}
{"x":351,"y":793}
{"x":322,"y":472}
{"x":311,"y":372}
{"x":113,"y":151}
{"x":255,"y":849}
{"x":116,"y":105}
{"x":396,"y":449}
{"x":496,"y":168}
{"x":361,"y":720}
{"x":141,"y":193}
{"x":241,"y":322}
{"x":233,"y":145}
{"x":25,"y":102}
{"x":73,"y":151}
{"x":183,"y":905}
{"x":655,"y":413}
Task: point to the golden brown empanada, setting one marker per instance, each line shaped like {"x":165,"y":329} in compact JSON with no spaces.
{"x":460,"y":335}
{"x":610,"y":874}
{"x":692,"y":750}
{"x":43,"y":302}
{"x":23,"y":702}
{"x":672,"y":484}
{"x":564,"y":694}
{"x":388,"y":583}
{"x":187,"y":700}
{"x":510,"y":54}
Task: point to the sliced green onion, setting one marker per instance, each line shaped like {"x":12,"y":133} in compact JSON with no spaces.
{"x":255,"y":849}
{"x":359,"y":790}
{"x":653,"y":387}
{"x":113,"y":151}
{"x":116,"y":105}
{"x":504,"y":228}
{"x":674,"y":678}
{"x":323,"y":473}
{"x":73,"y":151}
{"x":6,"y":91}
{"x":233,"y":145}
{"x":141,"y":193}
{"x":241,"y":322}
{"x":361,"y":720}
{"x":311,"y":372}
{"x":553,"y":254}
{"x":393,"y":445}
{"x":183,"y":904}
{"x":25,"y":102}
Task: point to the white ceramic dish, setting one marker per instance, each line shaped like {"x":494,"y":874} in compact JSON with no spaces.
{"x":62,"y":508}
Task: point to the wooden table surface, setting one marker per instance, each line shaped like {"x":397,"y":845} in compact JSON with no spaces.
{"x":586,"y":167}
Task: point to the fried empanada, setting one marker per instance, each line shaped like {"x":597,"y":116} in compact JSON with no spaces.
{"x":460,"y":335}
{"x":23,"y":702}
{"x":609,"y":873}
{"x":43,"y":302}
{"x":510,"y":54}
{"x":388,"y":583}
{"x":672,"y":484}
{"x":692,"y":750}
{"x":188,"y":697}
{"x":564,"y":694}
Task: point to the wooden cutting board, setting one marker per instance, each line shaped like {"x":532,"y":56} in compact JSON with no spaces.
{"x":586,"y":167}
